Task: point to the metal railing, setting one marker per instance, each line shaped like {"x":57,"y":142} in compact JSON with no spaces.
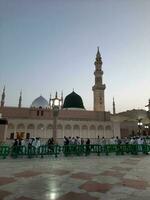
{"x":72,"y":150}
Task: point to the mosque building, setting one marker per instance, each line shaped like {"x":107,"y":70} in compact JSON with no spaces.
{"x":73,"y":119}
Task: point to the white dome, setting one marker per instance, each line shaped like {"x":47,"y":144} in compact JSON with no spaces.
{"x":40,"y":102}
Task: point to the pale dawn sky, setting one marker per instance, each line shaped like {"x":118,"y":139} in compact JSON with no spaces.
{"x":50,"y":45}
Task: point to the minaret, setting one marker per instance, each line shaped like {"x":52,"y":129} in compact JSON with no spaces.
{"x":56,"y":95}
{"x":62,"y":99}
{"x":20,"y":100}
{"x":99,"y":87}
{"x":114,"y":108}
{"x":50,"y":99}
{"x":3,"y":98}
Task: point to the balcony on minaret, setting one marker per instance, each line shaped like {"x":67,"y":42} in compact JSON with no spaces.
{"x":99,"y":87}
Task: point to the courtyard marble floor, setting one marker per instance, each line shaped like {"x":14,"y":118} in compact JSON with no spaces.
{"x":74,"y":178}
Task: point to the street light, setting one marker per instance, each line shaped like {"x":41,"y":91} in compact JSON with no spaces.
{"x":140,"y":124}
{"x":146,"y":126}
{"x":146,"y":129}
{"x":56,"y":105}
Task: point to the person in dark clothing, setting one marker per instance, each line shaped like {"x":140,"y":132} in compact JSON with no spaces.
{"x":50,"y":144}
{"x":15,"y":143}
{"x":82,"y":141}
{"x":88,"y":146}
{"x":66,"y":141}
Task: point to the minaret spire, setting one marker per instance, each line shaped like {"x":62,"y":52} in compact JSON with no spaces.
{"x":99,"y":87}
{"x":3,"y":98}
{"x":20,"y":100}
{"x":50,"y":101}
{"x":56,"y":95}
{"x":62,"y":99}
{"x":114,"y":108}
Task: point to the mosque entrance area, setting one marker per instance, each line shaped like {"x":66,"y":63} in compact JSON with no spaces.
{"x":20,"y":135}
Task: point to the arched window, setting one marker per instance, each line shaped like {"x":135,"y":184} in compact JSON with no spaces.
{"x":20,"y":126}
{"x":40,"y":126}
{"x":59,"y":126}
{"x":84,"y":127}
{"x":11,"y":126}
{"x":50,"y":126}
{"x":38,"y":112}
{"x":100,"y":127}
{"x":92,"y":127}
{"x":76,"y":127}
{"x":30,"y":126}
{"x":108,"y":128}
{"x":68,"y":127}
{"x":42,"y":112}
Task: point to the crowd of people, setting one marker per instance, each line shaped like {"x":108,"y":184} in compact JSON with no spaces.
{"x":103,"y":141}
{"x":75,"y":140}
{"x":36,"y":142}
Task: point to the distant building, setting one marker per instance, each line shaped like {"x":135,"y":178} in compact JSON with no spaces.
{"x":129,"y":122}
{"x":73,"y":120}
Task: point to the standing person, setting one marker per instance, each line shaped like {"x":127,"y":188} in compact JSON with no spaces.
{"x":15,"y":148}
{"x":103,"y":141}
{"x":66,"y":141}
{"x":70,"y":140}
{"x":78,"y":140}
{"x":15,"y":143}
{"x":73,"y":140}
{"x":82,"y":141}
{"x":88,"y":146}
{"x":34,"y":142}
{"x":38,"y":143}
{"x":112,"y":140}
{"x":98,"y":140}
{"x":50,"y":144}
{"x":22,"y":142}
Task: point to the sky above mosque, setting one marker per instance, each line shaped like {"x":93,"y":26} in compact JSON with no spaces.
{"x":48,"y":46}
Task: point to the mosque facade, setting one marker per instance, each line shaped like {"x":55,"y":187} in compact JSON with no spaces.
{"x":73,"y":119}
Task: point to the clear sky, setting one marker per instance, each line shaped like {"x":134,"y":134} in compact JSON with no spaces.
{"x":49,"y":45}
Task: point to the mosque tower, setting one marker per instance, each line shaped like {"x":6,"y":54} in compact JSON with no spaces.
{"x":20,"y":100}
{"x":114,"y":107}
{"x":3,"y":98}
{"x":99,"y":87}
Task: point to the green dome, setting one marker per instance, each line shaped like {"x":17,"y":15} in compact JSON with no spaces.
{"x":73,"y":100}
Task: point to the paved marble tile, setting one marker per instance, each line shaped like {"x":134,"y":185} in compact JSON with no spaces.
{"x":62,"y":178}
{"x":6,"y":180}
{"x":121,"y":168}
{"x":107,"y":179}
{"x":83,"y":175}
{"x":93,"y":186}
{"x":4,"y":194}
{"x":77,"y":196}
{"x":113,"y":173}
{"x":131,"y":161}
{"x":138,"y":184}
{"x":59,"y":172}
{"x":27,"y":174}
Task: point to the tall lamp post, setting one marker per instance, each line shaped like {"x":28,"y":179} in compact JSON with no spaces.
{"x":140,"y":124}
{"x":56,"y":105}
{"x":146,"y":129}
{"x":148,"y":115}
{"x":55,"y":118}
